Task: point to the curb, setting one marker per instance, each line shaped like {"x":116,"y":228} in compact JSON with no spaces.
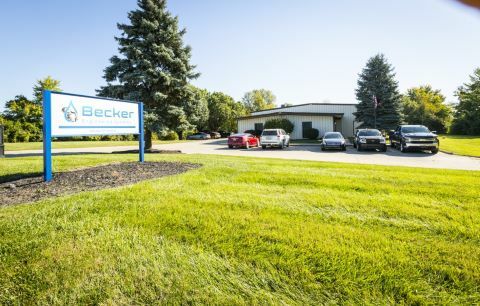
{"x":451,"y":153}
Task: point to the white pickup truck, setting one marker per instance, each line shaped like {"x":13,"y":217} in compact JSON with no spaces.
{"x":274,"y":138}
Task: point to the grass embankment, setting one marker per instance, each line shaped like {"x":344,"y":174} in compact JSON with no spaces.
{"x":247,"y":230}
{"x":19,"y":146}
{"x":461,"y":145}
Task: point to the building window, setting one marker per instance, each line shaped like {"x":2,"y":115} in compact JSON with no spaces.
{"x":306,"y":126}
{"x":258,"y":126}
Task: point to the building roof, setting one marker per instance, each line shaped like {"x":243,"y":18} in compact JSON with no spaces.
{"x":290,"y":106}
{"x":292,"y":113}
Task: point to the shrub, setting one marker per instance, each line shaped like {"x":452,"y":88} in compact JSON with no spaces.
{"x":170,"y":135}
{"x":311,"y":133}
{"x":279,"y":123}
{"x":16,"y":131}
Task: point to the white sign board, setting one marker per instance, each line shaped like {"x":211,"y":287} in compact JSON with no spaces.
{"x":73,"y":115}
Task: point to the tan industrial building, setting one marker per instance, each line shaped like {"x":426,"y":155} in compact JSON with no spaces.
{"x":325,"y":117}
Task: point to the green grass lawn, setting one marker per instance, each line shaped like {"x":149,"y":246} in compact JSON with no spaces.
{"x":462,"y":145}
{"x":19,"y":146}
{"x":247,"y":231}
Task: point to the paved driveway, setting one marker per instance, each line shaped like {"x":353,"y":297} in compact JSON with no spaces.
{"x":313,"y":152}
{"x":307,"y":152}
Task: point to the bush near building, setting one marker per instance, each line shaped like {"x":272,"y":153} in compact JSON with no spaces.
{"x":311,"y":133}
{"x":279,"y":123}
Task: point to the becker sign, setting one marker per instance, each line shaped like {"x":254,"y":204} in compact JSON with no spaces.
{"x":74,"y":115}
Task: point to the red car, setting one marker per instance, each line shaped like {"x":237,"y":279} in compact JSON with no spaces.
{"x":242,"y":140}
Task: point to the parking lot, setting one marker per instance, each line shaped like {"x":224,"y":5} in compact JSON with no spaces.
{"x":313,"y":152}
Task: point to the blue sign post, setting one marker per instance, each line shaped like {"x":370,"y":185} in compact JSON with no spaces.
{"x":47,"y":137}
{"x":141,"y":140}
{"x":66,"y":115}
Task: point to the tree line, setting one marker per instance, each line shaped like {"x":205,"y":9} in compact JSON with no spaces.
{"x":213,"y":111}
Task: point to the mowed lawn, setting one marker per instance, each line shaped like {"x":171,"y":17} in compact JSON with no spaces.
{"x":462,"y":145}
{"x":247,"y":231}
{"x":19,"y":146}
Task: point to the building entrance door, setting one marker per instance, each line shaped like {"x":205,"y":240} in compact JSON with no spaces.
{"x":306,"y":126}
{"x":337,"y":125}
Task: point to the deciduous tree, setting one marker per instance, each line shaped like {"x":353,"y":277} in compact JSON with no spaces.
{"x":424,"y":105}
{"x":224,"y":112}
{"x":259,"y":99}
{"x":22,"y":119}
{"x":47,"y":83}
{"x":197,"y":108}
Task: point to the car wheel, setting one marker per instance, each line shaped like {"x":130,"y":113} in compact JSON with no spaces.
{"x":264,"y":147}
{"x":434,"y":151}
{"x":402,"y":148}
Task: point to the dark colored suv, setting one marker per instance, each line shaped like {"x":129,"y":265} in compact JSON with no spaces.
{"x":369,"y":139}
{"x":414,"y":137}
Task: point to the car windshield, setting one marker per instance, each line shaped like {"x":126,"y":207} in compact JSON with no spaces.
{"x":415,"y":129}
{"x":369,"y":133}
{"x":269,"y":133}
{"x":333,"y":136}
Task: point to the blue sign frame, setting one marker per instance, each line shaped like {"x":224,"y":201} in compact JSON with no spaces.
{"x":47,"y":130}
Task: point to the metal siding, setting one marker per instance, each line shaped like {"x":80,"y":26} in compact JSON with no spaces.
{"x":322,"y":123}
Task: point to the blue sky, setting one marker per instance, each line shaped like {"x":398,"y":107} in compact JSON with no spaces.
{"x":304,"y":51}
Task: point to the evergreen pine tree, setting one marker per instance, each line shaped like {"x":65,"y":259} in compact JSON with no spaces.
{"x":154,"y":67}
{"x":378,"y":80}
{"x":467,"y":111}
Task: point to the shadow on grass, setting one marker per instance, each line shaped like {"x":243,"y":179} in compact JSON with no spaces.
{"x":17,"y":176}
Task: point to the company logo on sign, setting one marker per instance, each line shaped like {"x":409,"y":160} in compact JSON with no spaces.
{"x":70,"y":113}
{"x":85,"y":116}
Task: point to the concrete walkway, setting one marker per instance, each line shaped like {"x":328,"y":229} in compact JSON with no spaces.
{"x":298,"y":152}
